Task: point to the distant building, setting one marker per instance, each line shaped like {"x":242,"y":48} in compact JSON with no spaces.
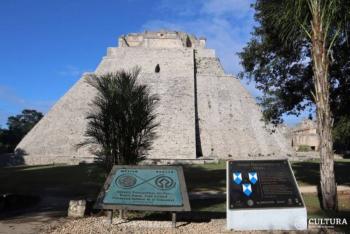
{"x":305,"y":135}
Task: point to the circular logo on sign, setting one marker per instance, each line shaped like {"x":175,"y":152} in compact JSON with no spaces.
{"x":126,"y":181}
{"x":164,"y":182}
{"x":250,"y":202}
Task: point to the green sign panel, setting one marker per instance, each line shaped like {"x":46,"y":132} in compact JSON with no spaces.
{"x":145,"y":188}
{"x":158,"y":187}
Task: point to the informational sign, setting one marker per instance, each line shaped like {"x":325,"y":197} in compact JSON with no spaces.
{"x":262,"y":184}
{"x":263,"y":195}
{"x":160,"y":188}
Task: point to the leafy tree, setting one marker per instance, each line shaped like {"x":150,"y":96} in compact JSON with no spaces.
{"x":3,"y":146}
{"x":341,"y":133}
{"x":24,"y":122}
{"x":122,"y":123}
{"x":18,"y":127}
{"x":299,"y":56}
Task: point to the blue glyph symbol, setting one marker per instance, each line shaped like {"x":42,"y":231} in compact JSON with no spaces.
{"x":247,"y":189}
{"x":253,"y":177}
{"x":237,"y":177}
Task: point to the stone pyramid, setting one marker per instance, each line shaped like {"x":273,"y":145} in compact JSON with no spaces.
{"x":203,"y":112}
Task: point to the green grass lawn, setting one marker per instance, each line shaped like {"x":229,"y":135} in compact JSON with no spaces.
{"x":213,"y":177}
{"x":60,"y":180}
{"x":85,"y":181}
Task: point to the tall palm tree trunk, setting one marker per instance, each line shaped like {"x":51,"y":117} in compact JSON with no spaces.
{"x":324,"y":117}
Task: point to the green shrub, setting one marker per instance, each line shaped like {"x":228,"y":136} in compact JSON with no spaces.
{"x":304,"y":148}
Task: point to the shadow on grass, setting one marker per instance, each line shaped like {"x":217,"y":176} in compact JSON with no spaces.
{"x":309,"y":172}
{"x":54,"y":185}
{"x":202,"y":210}
{"x":201,"y":179}
{"x":52,"y":180}
{"x":346,"y":155}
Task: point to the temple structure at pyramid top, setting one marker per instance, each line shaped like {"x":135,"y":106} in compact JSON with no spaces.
{"x":161,"y":39}
{"x":203,"y":112}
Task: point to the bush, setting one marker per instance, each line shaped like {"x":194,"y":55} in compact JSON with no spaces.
{"x":341,"y":134}
{"x":304,"y":148}
{"x":122,"y":122}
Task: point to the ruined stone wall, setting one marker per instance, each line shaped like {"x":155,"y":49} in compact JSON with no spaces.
{"x":162,"y":39}
{"x":311,"y":140}
{"x":305,"y":134}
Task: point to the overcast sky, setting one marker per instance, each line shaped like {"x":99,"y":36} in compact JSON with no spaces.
{"x":46,"y":45}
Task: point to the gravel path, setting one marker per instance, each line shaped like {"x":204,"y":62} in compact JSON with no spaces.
{"x":98,"y":225}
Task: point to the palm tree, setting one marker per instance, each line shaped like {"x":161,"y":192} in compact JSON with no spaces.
{"x":322,"y":21}
{"x":122,"y":121}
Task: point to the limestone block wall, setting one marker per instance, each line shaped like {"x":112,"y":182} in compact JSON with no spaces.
{"x":308,"y":139}
{"x":54,"y":138}
{"x":161,"y":39}
{"x":202,"y":111}
{"x":229,"y":119}
{"x":175,"y":86}
{"x":160,"y":43}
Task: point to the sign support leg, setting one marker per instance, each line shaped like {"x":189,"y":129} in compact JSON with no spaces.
{"x":110,"y":216}
{"x":121,"y":214}
{"x":173,"y":219}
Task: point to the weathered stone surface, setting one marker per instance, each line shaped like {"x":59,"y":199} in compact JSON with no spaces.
{"x":305,"y":134}
{"x":76,"y":208}
{"x":202,"y":111}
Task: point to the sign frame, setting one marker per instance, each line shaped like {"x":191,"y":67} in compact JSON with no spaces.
{"x":277,"y":218}
{"x":182,"y":183}
{"x":294,"y":184}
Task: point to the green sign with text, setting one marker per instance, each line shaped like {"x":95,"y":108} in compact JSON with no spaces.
{"x":158,"y":187}
{"x":145,"y":188}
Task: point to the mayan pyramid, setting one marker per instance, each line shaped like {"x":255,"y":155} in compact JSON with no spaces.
{"x":203,"y":112}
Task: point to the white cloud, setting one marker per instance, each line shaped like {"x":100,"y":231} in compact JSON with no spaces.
{"x":11,"y":104}
{"x":225,"y":23}
{"x":71,"y":70}
{"x":225,"y":37}
{"x":8,"y":95}
{"x":236,"y":8}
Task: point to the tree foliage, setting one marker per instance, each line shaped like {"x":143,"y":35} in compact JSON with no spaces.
{"x":306,"y":32}
{"x":18,"y":127}
{"x":122,"y":122}
{"x":341,"y":133}
{"x":279,"y":59}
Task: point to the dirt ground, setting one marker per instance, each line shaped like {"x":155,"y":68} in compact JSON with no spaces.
{"x":31,"y":223}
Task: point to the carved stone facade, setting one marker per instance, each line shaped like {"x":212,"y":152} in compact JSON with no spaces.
{"x":305,"y":135}
{"x":203,"y":112}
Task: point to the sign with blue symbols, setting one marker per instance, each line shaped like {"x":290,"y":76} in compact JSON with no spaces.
{"x":262,"y":184}
{"x":253,"y":177}
{"x":263,"y":195}
{"x":247,"y":189}
{"x":160,"y":188}
{"x":237,"y":177}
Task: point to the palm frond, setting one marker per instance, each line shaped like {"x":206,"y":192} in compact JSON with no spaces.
{"x":122,"y":122}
